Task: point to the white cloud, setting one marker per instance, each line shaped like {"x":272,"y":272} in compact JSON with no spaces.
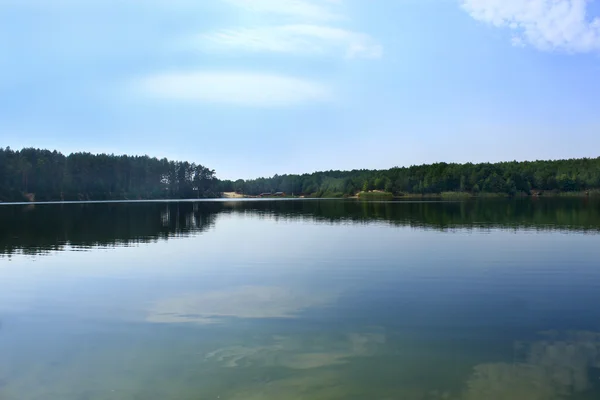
{"x":245,"y":89}
{"x":293,"y":27}
{"x":545,"y":24}
{"x":517,"y":41}
{"x":298,"y":39}
{"x":278,"y":26}
{"x":305,"y":9}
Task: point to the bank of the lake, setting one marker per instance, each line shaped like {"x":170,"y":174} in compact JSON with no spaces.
{"x":43,"y":175}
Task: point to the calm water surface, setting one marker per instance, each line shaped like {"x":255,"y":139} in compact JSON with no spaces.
{"x":314,"y":299}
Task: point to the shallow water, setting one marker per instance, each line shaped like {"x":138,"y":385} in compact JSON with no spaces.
{"x":314,"y":299}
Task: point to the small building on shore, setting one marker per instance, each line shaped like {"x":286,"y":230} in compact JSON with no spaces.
{"x":276,"y":194}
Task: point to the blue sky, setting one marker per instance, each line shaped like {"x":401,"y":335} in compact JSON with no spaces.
{"x":258,"y":87}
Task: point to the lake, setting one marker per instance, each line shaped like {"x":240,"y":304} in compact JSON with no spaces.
{"x":301,"y":299}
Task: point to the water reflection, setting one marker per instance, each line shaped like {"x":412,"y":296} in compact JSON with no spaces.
{"x":301,"y":300}
{"x":239,"y":302}
{"x":41,"y":228}
{"x":33,"y":229}
{"x":555,"y":368}
{"x":300,"y":353}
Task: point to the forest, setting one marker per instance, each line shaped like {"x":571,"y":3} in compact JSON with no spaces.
{"x":507,"y":178}
{"x":43,"y":175}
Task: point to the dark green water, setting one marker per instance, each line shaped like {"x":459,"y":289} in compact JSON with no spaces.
{"x":331,"y":299}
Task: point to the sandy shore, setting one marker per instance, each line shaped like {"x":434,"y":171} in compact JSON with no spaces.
{"x":233,"y":195}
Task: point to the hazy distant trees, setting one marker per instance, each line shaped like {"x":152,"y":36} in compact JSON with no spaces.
{"x":50,"y":175}
{"x":507,"y":178}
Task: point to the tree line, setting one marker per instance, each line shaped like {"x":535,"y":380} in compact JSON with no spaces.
{"x":505,"y":178}
{"x":46,"y":175}
{"x":43,"y":175}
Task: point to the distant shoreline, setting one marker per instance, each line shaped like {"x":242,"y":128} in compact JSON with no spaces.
{"x":374,"y":195}
{"x":37,"y":175}
{"x":377,"y":197}
{"x":382,"y":195}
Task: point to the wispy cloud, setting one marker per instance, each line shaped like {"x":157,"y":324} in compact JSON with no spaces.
{"x":545,"y":24}
{"x":245,"y":89}
{"x":294,"y":39}
{"x":305,"y":9}
{"x":286,"y":27}
{"x":303,"y":27}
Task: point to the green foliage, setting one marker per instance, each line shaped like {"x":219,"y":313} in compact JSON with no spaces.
{"x":80,"y":176}
{"x":507,"y":178}
{"x":47,"y":175}
{"x":365,"y":187}
{"x":455,"y":195}
{"x":388,"y":187}
{"x":331,"y":195}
